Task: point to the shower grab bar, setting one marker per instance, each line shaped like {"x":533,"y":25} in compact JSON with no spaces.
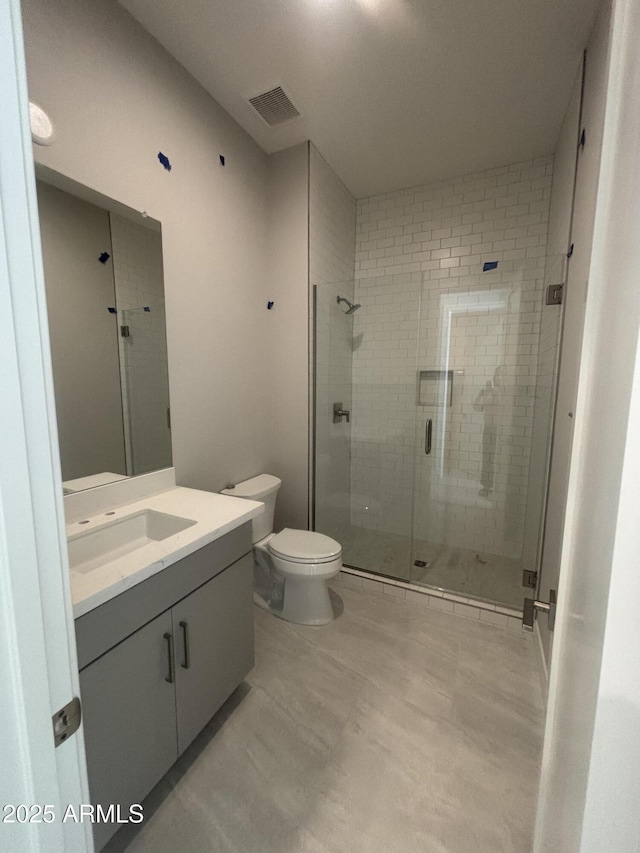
{"x":428,"y":429}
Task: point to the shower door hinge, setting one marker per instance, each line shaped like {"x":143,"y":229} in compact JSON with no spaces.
{"x":530,"y":578}
{"x":339,"y":413}
{"x":531,"y":606}
{"x":554,"y":294}
{"x":124,"y":331}
{"x":66,"y":721}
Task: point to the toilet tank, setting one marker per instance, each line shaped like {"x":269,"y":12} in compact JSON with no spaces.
{"x":262,"y":488}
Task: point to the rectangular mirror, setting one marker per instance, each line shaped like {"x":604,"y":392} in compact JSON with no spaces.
{"x":105,"y":302}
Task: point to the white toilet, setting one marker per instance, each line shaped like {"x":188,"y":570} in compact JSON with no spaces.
{"x":291,"y":568}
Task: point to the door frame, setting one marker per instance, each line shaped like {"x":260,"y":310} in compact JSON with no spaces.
{"x":38,"y":666}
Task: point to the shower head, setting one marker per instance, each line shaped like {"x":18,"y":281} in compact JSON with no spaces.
{"x":350,"y":306}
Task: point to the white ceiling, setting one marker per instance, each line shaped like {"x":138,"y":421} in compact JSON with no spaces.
{"x":393,"y":93}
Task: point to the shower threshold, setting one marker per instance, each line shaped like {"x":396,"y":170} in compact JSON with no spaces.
{"x":449,"y":570}
{"x":438,"y":599}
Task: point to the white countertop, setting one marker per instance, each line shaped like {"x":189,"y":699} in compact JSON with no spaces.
{"x":214,"y":515}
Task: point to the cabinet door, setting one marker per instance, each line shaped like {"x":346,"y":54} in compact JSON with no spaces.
{"x":214,"y":646}
{"x":128,"y":712}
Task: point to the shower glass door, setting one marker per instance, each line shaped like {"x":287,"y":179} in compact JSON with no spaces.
{"x":475,"y":400}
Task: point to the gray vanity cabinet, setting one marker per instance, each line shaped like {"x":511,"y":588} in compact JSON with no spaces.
{"x":214,"y":634}
{"x":128,"y":711}
{"x":156,"y":663}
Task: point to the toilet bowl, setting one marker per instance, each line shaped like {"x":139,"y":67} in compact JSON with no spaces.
{"x":292,"y":567}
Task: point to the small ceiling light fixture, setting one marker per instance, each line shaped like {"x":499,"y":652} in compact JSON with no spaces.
{"x":41,"y":125}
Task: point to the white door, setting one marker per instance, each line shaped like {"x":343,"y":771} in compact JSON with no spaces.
{"x":38,"y":670}
{"x":590,"y":781}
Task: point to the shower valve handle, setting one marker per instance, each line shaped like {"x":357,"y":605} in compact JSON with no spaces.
{"x":339,"y":413}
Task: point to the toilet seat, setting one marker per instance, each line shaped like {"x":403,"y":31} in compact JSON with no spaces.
{"x":304,"y":546}
{"x":290,"y":568}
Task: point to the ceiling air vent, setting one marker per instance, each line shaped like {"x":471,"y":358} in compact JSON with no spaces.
{"x":274,"y":106}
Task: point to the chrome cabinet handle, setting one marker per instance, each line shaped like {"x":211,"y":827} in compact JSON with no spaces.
{"x":428,"y":429}
{"x":172,"y":665}
{"x":186,"y":663}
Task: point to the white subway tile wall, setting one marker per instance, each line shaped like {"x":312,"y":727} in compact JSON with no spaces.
{"x":332,"y":221}
{"x":428,"y":306}
{"x":138,"y":273}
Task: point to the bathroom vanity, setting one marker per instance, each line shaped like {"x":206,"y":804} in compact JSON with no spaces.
{"x":164,"y":632}
{"x":161,"y":576}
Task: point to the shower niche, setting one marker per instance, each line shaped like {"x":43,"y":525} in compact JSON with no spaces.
{"x":435,"y":387}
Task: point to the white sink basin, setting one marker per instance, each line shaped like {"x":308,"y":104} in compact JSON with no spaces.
{"x":97,"y":546}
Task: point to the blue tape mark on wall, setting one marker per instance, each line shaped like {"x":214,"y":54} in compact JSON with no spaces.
{"x":570,"y":252}
{"x":104,"y":257}
{"x":269,"y":306}
{"x":164,"y":160}
{"x":222,"y":159}
{"x":146,"y":308}
{"x":111,"y":309}
{"x":489,"y":265}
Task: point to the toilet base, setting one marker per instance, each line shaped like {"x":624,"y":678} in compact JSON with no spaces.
{"x":306,"y":601}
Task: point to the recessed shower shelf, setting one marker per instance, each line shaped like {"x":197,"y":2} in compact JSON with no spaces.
{"x":435,"y":387}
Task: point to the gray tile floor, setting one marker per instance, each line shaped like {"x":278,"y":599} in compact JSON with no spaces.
{"x":490,"y":577}
{"x":396,"y":729}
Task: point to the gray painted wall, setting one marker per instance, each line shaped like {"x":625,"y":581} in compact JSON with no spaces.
{"x":285,"y":344}
{"x":116,"y":99}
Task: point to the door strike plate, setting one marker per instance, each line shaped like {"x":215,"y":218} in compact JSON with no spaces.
{"x":66,"y":721}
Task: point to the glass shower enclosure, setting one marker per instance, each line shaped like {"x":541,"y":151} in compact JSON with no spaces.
{"x":425,"y":420}
{"x":144,"y":381}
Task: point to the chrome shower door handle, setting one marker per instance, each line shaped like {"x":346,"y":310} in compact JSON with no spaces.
{"x":428,"y":430}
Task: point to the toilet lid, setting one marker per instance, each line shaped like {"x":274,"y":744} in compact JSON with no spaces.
{"x":304,"y":546}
